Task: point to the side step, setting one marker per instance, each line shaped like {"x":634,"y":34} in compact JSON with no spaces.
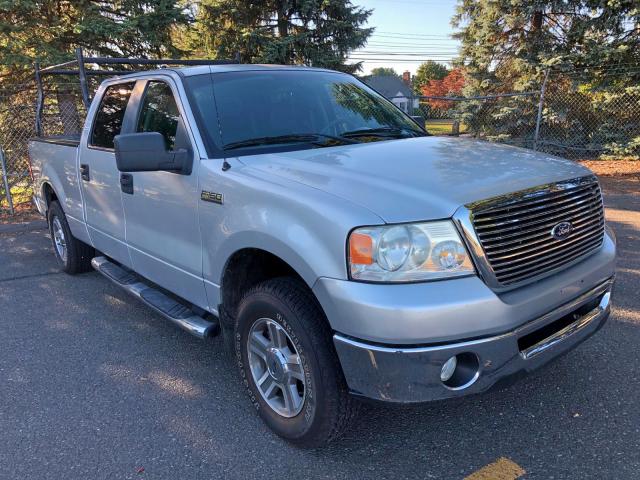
{"x":178,"y":313}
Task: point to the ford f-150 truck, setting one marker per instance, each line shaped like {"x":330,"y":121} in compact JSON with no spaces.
{"x":341,"y":251}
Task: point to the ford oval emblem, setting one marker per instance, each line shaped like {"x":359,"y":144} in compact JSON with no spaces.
{"x":561,"y":230}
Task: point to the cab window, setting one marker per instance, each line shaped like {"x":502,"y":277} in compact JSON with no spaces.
{"x":159,"y":113}
{"x":110,"y":115}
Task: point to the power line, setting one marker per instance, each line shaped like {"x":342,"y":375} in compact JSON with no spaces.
{"x":410,"y":2}
{"x":413,"y":45}
{"x":410,"y":35}
{"x":402,"y":54}
{"x":404,"y":60}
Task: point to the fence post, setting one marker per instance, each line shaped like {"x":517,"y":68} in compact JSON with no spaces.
{"x":83,"y":78}
{"x":540,"y":104}
{"x":5,"y":178}
{"x":39,"y":100}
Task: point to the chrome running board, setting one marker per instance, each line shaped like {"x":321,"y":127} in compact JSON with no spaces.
{"x":180,"y":314}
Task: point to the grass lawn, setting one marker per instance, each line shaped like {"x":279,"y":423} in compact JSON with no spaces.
{"x":441,"y":126}
{"x":19,"y":194}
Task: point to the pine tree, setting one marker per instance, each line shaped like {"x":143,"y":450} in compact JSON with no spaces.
{"x":511,"y":42}
{"x":50,"y":30}
{"x":508,"y":45}
{"x":318,"y":33}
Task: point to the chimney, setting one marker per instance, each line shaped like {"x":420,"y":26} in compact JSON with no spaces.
{"x":406,"y":77}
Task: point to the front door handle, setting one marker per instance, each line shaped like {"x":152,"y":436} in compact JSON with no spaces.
{"x":126,"y":183}
{"x":84,"y":172}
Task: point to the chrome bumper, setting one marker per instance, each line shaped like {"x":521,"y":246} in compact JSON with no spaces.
{"x":409,"y":375}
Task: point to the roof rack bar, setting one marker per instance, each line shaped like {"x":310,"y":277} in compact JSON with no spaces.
{"x":84,"y":86}
{"x":39,"y":99}
{"x":59,"y":65}
{"x":94,"y":72}
{"x":82,"y":73}
{"x":154,"y":61}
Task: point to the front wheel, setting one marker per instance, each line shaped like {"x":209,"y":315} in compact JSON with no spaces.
{"x":72,"y":255}
{"x":288,"y":363}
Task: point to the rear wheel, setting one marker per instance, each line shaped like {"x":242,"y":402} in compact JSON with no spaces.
{"x":72,"y":255}
{"x":288,"y":363}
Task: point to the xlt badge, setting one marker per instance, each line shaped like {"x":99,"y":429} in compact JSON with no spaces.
{"x":212,"y":197}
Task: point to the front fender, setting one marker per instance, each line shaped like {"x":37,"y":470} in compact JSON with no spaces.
{"x":303,"y":226}
{"x":292,"y":253}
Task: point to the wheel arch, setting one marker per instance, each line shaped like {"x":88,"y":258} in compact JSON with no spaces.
{"x":48,"y":193}
{"x":248,"y":266}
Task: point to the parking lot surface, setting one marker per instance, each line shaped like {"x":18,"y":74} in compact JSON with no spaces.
{"x":95,"y":385}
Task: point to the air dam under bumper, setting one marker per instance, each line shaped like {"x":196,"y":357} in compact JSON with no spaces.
{"x":409,"y":375}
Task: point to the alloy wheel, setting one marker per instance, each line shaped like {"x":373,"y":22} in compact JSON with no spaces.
{"x":59,"y":239}
{"x":276,"y":367}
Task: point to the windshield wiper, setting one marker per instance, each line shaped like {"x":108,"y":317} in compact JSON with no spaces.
{"x":291,"y":138}
{"x":395,"y":132}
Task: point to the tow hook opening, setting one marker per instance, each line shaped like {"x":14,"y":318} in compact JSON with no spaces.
{"x":460,"y":371}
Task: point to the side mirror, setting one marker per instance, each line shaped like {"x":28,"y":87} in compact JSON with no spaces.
{"x":146,"y":152}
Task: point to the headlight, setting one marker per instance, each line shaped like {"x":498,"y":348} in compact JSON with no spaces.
{"x":407,"y":253}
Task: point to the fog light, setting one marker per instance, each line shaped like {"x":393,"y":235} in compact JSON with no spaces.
{"x":448,"y":369}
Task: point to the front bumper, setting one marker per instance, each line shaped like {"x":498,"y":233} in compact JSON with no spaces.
{"x":454,"y":310}
{"x":412,"y":374}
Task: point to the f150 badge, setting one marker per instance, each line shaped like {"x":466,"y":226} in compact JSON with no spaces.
{"x":212,"y":197}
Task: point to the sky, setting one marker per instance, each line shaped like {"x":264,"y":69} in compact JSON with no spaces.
{"x":407,"y":32}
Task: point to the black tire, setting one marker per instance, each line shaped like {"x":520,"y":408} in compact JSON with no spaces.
{"x":327,"y":407}
{"x":78,"y":254}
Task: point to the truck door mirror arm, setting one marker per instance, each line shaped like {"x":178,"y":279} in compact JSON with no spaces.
{"x":146,"y":152}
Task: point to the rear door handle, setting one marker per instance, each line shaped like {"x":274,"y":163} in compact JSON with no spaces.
{"x":84,"y":172}
{"x":126,"y":183}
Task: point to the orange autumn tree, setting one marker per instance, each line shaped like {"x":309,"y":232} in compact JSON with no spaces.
{"x":449,"y":86}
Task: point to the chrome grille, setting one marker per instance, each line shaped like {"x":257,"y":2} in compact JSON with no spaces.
{"x":514,"y":231}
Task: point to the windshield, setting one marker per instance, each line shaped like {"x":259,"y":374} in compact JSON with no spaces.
{"x":299,"y":109}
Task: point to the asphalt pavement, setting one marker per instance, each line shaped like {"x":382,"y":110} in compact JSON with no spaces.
{"x":94,"y":385}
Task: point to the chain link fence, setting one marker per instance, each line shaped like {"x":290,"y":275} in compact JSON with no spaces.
{"x":571,"y":119}
{"x":584,"y":121}
{"x":509,"y":118}
{"x":62,"y":113}
{"x":17,"y":120}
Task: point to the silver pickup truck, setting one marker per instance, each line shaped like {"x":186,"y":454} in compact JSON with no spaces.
{"x":341,"y":251}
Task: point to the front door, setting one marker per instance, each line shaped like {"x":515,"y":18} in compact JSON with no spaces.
{"x":163,"y":232}
{"x":100,"y":176}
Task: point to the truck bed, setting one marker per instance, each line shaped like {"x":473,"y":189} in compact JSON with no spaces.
{"x":66,"y":140}
{"x":54,"y":161}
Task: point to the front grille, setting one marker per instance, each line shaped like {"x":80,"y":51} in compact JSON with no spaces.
{"x":515,"y":230}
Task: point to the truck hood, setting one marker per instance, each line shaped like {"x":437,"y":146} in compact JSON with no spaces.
{"x":415,"y":179}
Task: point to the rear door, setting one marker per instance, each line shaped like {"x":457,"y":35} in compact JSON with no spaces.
{"x":163,"y":231}
{"x":100,"y":177}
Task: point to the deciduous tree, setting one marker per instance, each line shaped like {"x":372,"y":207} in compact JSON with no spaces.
{"x":427,"y":71}
{"x":384,"y":72}
{"x":451,"y":85}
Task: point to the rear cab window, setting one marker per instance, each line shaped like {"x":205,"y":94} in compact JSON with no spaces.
{"x":110,"y":115}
